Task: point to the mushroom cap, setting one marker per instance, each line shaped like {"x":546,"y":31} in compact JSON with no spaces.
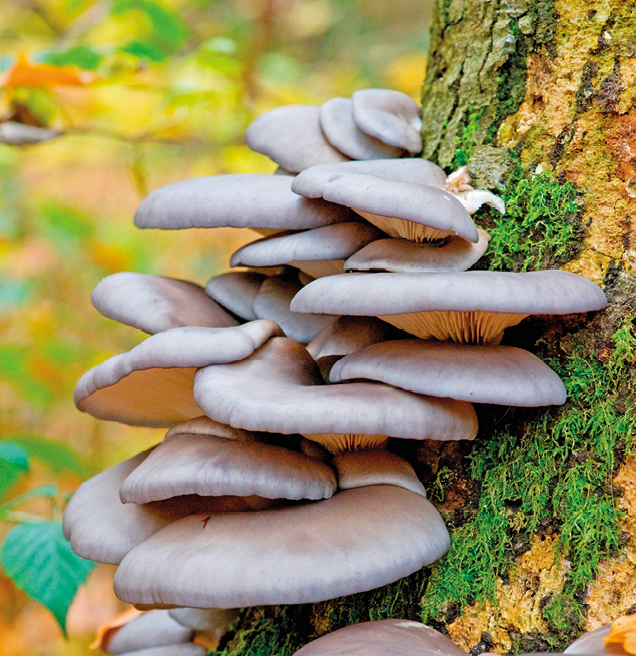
{"x":362,"y":468}
{"x":204,"y":619}
{"x":252,"y":200}
{"x":593,"y":644}
{"x":340,"y":129}
{"x":292,"y":137}
{"x":236,"y":291}
{"x":279,"y":389}
{"x":213,"y":466}
{"x":302,"y":554}
{"x":186,"y":649}
{"x":404,"y":256}
{"x":273,"y":302}
{"x":390,"y":116}
{"x":151,"y":385}
{"x":153,"y":629}
{"x":155,"y":303}
{"x":377,"y":198}
{"x":205,"y":426}
{"x":395,"y":637}
{"x":503,"y":375}
{"x":311,"y":182}
{"x":335,"y":242}
{"x":535,"y":292}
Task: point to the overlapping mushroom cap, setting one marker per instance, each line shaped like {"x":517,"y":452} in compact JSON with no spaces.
{"x":236,"y":291}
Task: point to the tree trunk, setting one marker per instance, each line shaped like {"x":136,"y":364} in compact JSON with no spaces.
{"x":536,"y":96}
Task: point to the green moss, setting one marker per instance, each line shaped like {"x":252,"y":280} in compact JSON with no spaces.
{"x":551,"y":474}
{"x":541,"y":227}
{"x":464,"y":140}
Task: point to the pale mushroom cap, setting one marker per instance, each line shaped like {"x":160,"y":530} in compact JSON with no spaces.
{"x":387,"y":637}
{"x":536,"y":292}
{"x":372,"y":196}
{"x":153,"y":629}
{"x":214,"y":466}
{"x":236,"y":291}
{"x":335,"y":242}
{"x":404,"y":256}
{"x":390,"y":116}
{"x":503,"y":375}
{"x":291,"y":136}
{"x":362,"y":468}
{"x":187,"y":649}
{"x":279,"y":389}
{"x":311,"y":182}
{"x":151,"y":385}
{"x":251,"y":200}
{"x":155,"y":303}
{"x":273,"y":302}
{"x":340,"y":129}
{"x":205,"y":426}
{"x":303,"y":554}
{"x":204,"y":619}
{"x":592,"y":644}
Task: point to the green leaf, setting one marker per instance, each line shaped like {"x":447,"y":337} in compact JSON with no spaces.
{"x":166,"y":24}
{"x":14,"y":368}
{"x":39,"y":560}
{"x":145,"y":50}
{"x":64,"y":223}
{"x":57,"y":456}
{"x":83,"y":57}
{"x":14,"y":461}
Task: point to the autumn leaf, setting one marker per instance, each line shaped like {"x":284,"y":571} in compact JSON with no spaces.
{"x":28,"y":74}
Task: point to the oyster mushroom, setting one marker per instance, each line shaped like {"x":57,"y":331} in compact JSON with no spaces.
{"x":236,"y":291}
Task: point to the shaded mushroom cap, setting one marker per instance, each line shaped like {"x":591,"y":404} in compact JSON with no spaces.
{"x":311,"y":182}
{"x":593,"y":643}
{"x":214,"y":466}
{"x":331,"y":243}
{"x":186,"y":649}
{"x":403,"y":256}
{"x":390,"y":116}
{"x":340,"y":129}
{"x":236,"y":291}
{"x":155,"y":303}
{"x":346,"y":335}
{"x":503,"y":375}
{"x":362,"y":468}
{"x":205,"y":619}
{"x":153,"y":629}
{"x":273,"y":302}
{"x":251,"y":200}
{"x":395,"y":637}
{"x":103,"y":529}
{"x":301,"y":554}
{"x":279,"y":389}
{"x":292,"y":137}
{"x":205,"y":426}
{"x":151,"y":385}
{"x":403,"y":209}
{"x":469,"y":306}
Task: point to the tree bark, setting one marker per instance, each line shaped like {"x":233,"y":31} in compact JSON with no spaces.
{"x":537,"y":97}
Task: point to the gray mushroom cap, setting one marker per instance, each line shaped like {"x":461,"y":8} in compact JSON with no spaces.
{"x":279,"y":389}
{"x":395,"y":637}
{"x":153,"y":629}
{"x":186,"y":649}
{"x":155,"y":303}
{"x":204,"y":619}
{"x":151,"y":385}
{"x":236,"y":291}
{"x":291,"y":136}
{"x":381,"y":201}
{"x":340,"y":129}
{"x":213,"y":466}
{"x":251,"y":200}
{"x":295,"y":555}
{"x":390,"y":116}
{"x":503,"y":375}
{"x":362,"y":468}
{"x":310,"y":183}
{"x":273,"y":302}
{"x":592,"y":644}
{"x":404,"y":256}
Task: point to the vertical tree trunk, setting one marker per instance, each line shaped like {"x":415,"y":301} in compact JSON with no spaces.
{"x":537,"y":98}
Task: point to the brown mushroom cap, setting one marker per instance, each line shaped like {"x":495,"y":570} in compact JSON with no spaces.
{"x":151,"y":385}
{"x":469,"y":306}
{"x":236,"y":291}
{"x":279,"y":389}
{"x":252,"y":200}
{"x":292,"y":137}
{"x":295,"y":555}
{"x":153,"y":629}
{"x":386,"y":637}
{"x":155,"y":303}
{"x":502,"y":375}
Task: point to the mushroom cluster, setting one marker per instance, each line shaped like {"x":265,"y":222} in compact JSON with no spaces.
{"x":281,"y":385}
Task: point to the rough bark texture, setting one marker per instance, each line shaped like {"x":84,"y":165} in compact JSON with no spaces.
{"x":537,"y":97}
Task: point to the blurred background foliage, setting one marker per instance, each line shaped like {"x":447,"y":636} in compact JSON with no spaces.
{"x":137,"y":94}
